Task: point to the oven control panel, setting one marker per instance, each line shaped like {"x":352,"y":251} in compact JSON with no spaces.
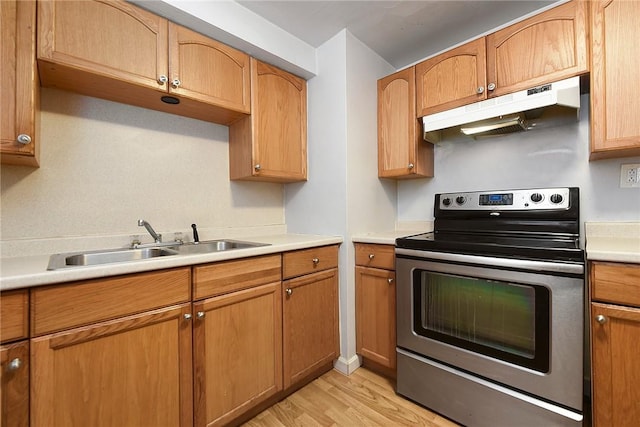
{"x":533,"y":199}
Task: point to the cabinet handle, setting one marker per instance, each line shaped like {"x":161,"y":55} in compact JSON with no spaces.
{"x":187,"y":316}
{"x":480,"y":90}
{"x":200,"y":314}
{"x":162,"y":80}
{"x":491,"y":86}
{"x":371,"y":256}
{"x":257,"y":167}
{"x":315,"y":261}
{"x":390,"y":280}
{"x":601,"y":319}
{"x":175,"y":83}
{"x":410,"y":166}
{"x":23,"y":139}
{"x":288,"y":291}
{"x":14,"y":365}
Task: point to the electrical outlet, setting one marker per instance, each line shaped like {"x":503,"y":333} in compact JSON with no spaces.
{"x":630,"y":175}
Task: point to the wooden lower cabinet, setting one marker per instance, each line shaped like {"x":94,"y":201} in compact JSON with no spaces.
{"x":14,"y":358}
{"x":376,"y":315}
{"x":237,"y":352}
{"x":115,"y":351}
{"x":130,"y":371}
{"x":615,"y":344}
{"x":376,"y":306}
{"x":14,"y":392}
{"x":310,"y":324}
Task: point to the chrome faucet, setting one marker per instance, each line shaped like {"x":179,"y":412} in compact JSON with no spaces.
{"x":156,"y":237}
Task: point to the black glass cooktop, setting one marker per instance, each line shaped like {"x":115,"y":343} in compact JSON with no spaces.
{"x":514,"y":245}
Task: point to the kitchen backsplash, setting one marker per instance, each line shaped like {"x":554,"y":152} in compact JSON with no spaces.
{"x":105,"y":165}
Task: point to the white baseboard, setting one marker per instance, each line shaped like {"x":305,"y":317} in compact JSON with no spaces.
{"x":347,"y":366}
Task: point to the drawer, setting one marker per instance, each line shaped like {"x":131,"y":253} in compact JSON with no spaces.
{"x":14,"y":312}
{"x":376,"y":256}
{"x":228,"y":276}
{"x":615,"y":282}
{"x":59,"y":307}
{"x":298,"y":263}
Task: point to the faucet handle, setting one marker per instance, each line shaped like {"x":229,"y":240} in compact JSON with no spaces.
{"x":196,"y":239}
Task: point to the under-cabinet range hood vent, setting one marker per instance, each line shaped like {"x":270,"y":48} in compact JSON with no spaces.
{"x":507,"y":113}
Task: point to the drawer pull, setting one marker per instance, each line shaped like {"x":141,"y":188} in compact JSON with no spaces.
{"x":315,"y":261}
{"x":390,"y":280}
{"x":200,"y":314}
{"x":601,"y":319}
{"x":371,"y":256}
{"x":187,"y":316}
{"x":288,"y":291}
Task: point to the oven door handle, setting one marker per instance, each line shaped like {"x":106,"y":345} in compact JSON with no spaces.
{"x":521,"y":264}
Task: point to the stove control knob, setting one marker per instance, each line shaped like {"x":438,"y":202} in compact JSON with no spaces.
{"x":536,"y":197}
{"x":446,"y":201}
{"x":460,"y":200}
{"x":556,"y":198}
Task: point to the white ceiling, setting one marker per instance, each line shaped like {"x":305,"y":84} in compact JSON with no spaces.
{"x":401,"y":31}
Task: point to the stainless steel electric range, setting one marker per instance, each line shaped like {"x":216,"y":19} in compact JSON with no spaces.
{"x":490,"y":309}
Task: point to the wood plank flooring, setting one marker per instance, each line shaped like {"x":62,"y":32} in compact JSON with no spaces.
{"x":362,"y":399}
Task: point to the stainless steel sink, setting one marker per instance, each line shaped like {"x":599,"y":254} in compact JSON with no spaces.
{"x":84,"y":259}
{"x":215,"y":246}
{"x":91,"y":258}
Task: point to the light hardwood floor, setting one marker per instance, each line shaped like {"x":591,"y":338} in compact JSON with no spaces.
{"x":362,"y":399}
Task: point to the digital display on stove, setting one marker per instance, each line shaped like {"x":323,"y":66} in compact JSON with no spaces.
{"x":496,"y":199}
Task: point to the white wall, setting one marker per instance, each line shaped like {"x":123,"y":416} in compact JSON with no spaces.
{"x":104,"y":165}
{"x":343,"y":195}
{"x":553,"y":156}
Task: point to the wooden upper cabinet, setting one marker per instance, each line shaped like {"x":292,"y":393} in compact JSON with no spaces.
{"x":615,"y":79}
{"x":19,"y":84}
{"x":451,"y":79}
{"x":110,"y":38}
{"x":402,"y":152}
{"x":116,"y":51}
{"x":544,"y":48}
{"x":271,"y":144}
{"x":547,"y":47}
{"x":208,"y":70}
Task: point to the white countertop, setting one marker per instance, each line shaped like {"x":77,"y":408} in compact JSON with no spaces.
{"x":28,"y":271}
{"x":384,"y":237}
{"x":613,"y":241}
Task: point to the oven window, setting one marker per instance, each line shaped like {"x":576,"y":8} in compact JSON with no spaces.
{"x":508,"y":321}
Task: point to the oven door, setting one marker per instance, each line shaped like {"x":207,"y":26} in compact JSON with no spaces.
{"x":517,"y":323}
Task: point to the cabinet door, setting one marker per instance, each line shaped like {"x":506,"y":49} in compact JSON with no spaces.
{"x":108,"y":38}
{"x":615,"y":78}
{"x":14,"y":388}
{"x":402,"y":152}
{"x":615,"y":367}
{"x":19,"y":84}
{"x":237,"y":352}
{"x":131,"y":371}
{"x":206,"y":70}
{"x":452,"y":79}
{"x":376,"y":315}
{"x":310,"y":316}
{"x":547,"y":47}
{"x":271,"y":144}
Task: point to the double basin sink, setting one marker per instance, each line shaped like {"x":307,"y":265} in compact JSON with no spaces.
{"x":108,"y":256}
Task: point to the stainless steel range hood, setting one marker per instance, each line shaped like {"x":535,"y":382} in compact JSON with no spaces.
{"x":504,"y":114}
